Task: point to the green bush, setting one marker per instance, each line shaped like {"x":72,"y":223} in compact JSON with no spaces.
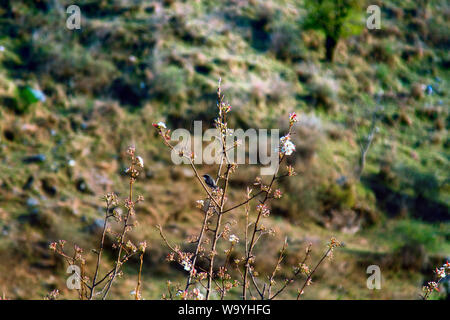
{"x":417,"y":233}
{"x":333,"y":196}
{"x":334,"y":18}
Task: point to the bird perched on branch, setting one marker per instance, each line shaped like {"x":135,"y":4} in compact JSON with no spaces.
{"x":209,"y":181}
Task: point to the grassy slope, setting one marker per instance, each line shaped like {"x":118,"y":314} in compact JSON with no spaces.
{"x":134,"y":64}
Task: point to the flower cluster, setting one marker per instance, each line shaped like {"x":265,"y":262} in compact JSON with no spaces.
{"x":290,"y":171}
{"x":140,"y":161}
{"x":334,"y":243}
{"x":182,"y":294}
{"x":430,"y":287}
{"x":286,"y":145}
{"x":304,"y":269}
{"x":160,"y":125}
{"x":277,"y":194}
{"x":197,"y":294}
{"x":263,"y":209}
{"x":183,"y":258}
{"x":441,"y":274}
{"x":53,"y":295}
{"x":111,"y":199}
{"x":187,"y":265}
{"x":224,"y":107}
{"x":131,"y":246}
{"x":142,"y":246}
{"x":136,"y":162}
{"x":162,"y":130}
{"x":233,"y":239}
{"x":199,"y":204}
{"x":293,"y":118}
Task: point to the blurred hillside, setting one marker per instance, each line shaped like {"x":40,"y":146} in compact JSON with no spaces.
{"x":71,"y":101}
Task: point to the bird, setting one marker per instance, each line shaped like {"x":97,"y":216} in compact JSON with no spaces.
{"x":209,"y":181}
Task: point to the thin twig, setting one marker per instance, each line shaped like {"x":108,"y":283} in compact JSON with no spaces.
{"x":312,"y":272}
{"x":99,"y":255}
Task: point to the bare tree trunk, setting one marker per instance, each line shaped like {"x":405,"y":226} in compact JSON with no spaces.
{"x":365,"y":147}
{"x":330,"y":46}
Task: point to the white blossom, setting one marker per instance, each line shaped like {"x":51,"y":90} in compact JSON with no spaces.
{"x":233,"y":238}
{"x":441,"y":272}
{"x":186,"y":264}
{"x":140,"y":161}
{"x":197,"y":294}
{"x":200,"y":204}
{"x":286,"y":145}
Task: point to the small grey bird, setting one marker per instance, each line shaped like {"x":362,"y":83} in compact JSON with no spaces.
{"x":209,"y":181}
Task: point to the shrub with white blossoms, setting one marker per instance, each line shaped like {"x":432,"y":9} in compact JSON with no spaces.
{"x":98,"y":285}
{"x":216,"y":226}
